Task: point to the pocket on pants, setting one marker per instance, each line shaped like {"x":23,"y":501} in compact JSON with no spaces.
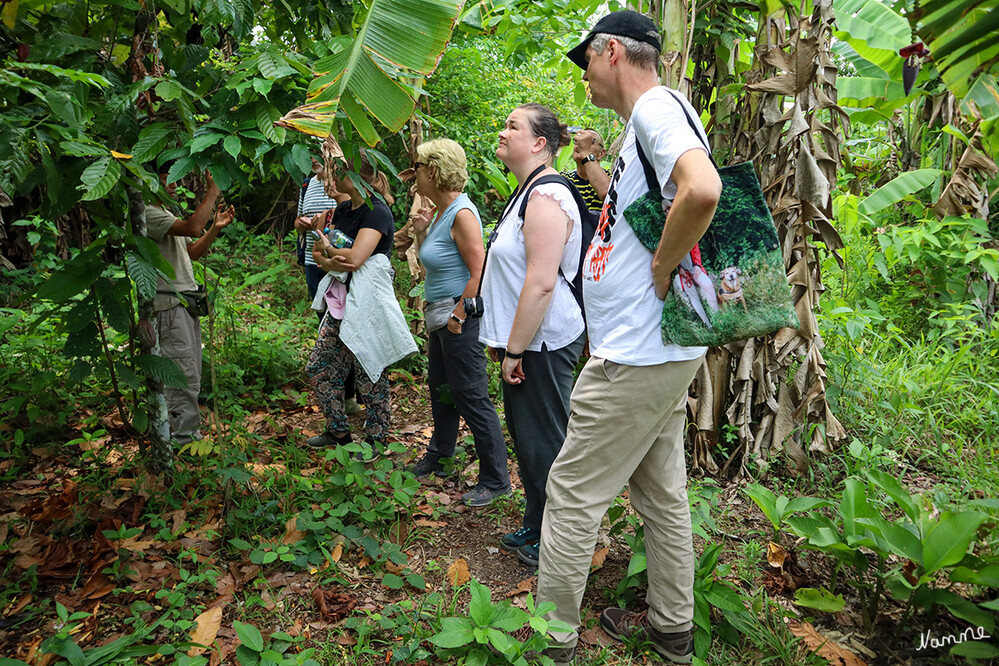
{"x":610,"y":369}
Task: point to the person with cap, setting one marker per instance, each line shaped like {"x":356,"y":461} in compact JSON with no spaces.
{"x":629,"y":403}
{"x":177,"y":300}
{"x":589,"y":177}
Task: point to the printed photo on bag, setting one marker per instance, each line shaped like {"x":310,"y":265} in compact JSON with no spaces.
{"x":732,"y":285}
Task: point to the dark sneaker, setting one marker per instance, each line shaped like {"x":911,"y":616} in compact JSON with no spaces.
{"x":328,"y":440}
{"x":676,"y":648}
{"x":530,"y":554}
{"x":482,"y":496}
{"x":514,"y":541}
{"x":427,"y":465}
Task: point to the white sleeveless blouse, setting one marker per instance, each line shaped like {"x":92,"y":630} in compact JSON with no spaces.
{"x":506,"y":270}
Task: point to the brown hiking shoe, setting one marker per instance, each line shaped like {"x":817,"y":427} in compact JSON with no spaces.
{"x":677,"y":648}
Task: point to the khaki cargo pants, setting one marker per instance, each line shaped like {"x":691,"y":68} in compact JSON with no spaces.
{"x":626,"y":426}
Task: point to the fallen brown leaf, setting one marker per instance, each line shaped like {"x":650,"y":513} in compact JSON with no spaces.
{"x":776,"y":555}
{"x":596,"y":636}
{"x":97,"y":586}
{"x":206,"y":628}
{"x":17,"y":606}
{"x":522,"y":587}
{"x":333,"y":606}
{"x":291,"y":533}
{"x":598,"y":558}
{"x":430,"y":523}
{"x":337,"y":552}
{"x":457,"y":573}
{"x":823,"y":646}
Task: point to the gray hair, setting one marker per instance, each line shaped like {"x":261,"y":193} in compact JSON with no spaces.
{"x":640,"y":54}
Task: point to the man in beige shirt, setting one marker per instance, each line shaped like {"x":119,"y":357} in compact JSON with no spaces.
{"x":179,"y":325}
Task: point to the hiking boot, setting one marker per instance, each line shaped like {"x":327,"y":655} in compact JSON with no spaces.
{"x":482,"y":496}
{"x":328,"y":440}
{"x":677,"y":648}
{"x":514,"y":541}
{"x":427,"y":465}
{"x":530,"y":554}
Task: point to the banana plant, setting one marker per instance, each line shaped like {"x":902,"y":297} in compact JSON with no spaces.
{"x":373,"y":73}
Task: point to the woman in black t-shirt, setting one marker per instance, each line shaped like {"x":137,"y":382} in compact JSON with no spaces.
{"x":371,"y":229}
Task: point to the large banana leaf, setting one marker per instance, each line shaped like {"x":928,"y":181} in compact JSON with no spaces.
{"x":397,"y":42}
{"x":875,"y":31}
{"x":963,"y":36}
{"x":898,"y":189}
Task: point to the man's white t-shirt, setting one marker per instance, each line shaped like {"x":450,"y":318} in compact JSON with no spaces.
{"x":623,"y":315}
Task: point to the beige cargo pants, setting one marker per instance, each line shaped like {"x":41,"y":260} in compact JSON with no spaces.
{"x":626,"y":426}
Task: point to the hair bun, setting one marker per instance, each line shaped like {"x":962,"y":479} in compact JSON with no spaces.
{"x":563,"y":135}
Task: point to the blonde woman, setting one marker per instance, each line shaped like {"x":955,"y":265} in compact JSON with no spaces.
{"x":452,"y":253}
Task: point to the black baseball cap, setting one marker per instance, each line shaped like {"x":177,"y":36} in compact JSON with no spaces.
{"x":626,"y":23}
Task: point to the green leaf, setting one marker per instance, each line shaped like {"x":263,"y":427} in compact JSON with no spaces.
{"x":249,"y":636}
{"x":974,"y":649}
{"x":898,"y":189}
{"x":169,"y":90}
{"x":79,"y":149}
{"x":396,"y":39}
{"x":946,"y":542}
{"x":804,"y":504}
{"x":162,"y":369}
{"x":180,"y":168}
{"x":987,"y":576}
{"x":100,"y":177}
{"x":74,"y":277}
{"x":151,"y":142}
{"x":232,"y":145}
{"x":820,"y":599}
{"x":453,"y":636}
{"x":891,"y":487}
{"x":393,"y":582}
{"x":143,"y":274}
{"x":767,"y":501}
{"x":359,"y":119}
{"x":203,"y":141}
{"x":480,"y":606}
{"x":266,"y":115}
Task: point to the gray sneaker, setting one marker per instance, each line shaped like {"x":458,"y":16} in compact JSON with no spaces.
{"x":482,"y":496}
{"x":676,"y":648}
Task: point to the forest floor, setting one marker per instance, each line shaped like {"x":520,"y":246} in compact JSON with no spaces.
{"x":119,"y":548}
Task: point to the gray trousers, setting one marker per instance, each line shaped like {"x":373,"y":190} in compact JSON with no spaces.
{"x":537,"y":411}
{"x":459,"y":386}
{"x":627,"y":427}
{"x":180,"y":341}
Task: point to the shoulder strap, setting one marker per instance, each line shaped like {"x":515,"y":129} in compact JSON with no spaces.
{"x":650,"y":172}
{"x":544,"y":180}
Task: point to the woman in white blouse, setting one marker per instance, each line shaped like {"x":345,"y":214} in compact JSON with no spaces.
{"x":531,"y":321}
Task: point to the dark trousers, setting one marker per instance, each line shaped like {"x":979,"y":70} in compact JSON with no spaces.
{"x":459,"y":387}
{"x":537,"y":412}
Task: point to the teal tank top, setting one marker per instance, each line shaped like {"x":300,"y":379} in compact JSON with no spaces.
{"x":447,"y":273}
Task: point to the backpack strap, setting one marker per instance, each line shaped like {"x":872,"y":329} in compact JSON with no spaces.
{"x":576,"y":286}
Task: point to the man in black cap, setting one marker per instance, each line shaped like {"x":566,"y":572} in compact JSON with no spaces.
{"x":629,"y":404}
